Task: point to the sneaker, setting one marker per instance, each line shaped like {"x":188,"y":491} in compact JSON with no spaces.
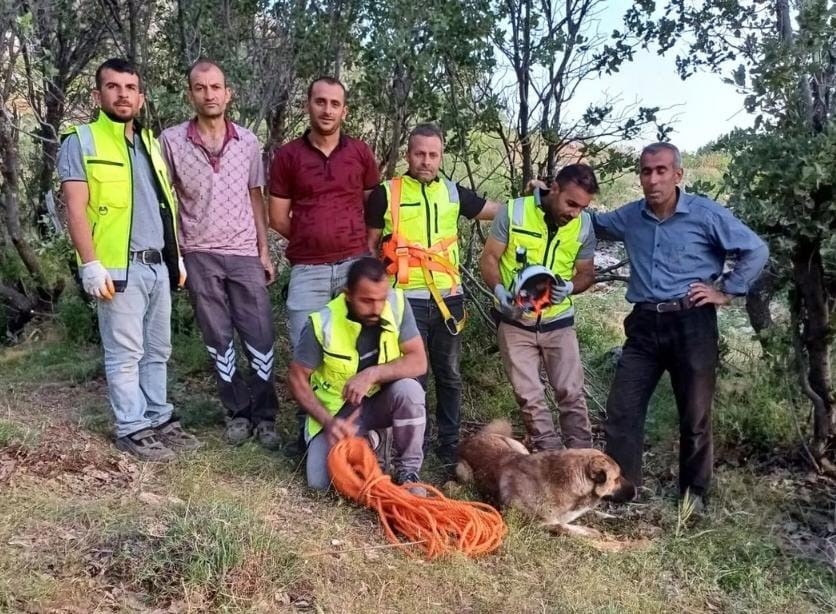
{"x":380,"y":441}
{"x":145,"y":446}
{"x":410,"y":477}
{"x":266,"y":434}
{"x":174,"y":437}
{"x":238,"y":430}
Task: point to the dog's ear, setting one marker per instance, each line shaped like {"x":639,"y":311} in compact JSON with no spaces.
{"x":596,"y":470}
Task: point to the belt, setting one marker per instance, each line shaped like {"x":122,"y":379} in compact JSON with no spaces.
{"x":148,"y":256}
{"x":680,"y":304}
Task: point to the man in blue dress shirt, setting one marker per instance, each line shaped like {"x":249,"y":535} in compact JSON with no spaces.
{"x":677,"y":244}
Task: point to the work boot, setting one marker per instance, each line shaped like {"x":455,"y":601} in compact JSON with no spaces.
{"x":410,"y":477}
{"x":238,"y":430}
{"x":145,"y":446}
{"x":174,"y":437}
{"x":265,"y":432}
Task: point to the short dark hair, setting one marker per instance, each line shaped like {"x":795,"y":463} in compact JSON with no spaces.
{"x":202,"y":63}
{"x":365,"y":268}
{"x":329,"y":81}
{"x":655,"y":148}
{"x":118,"y":65}
{"x":581,"y":175}
{"x":427,"y":129}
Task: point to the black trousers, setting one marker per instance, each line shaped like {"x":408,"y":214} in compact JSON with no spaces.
{"x":444,"y":351}
{"x":684,"y":343}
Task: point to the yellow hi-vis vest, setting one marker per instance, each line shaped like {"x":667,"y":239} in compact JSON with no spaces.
{"x":555,"y":249}
{"x":337,"y":335}
{"x":429,"y":217}
{"x":107,"y":164}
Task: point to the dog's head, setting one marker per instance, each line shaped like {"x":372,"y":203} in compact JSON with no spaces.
{"x":606,"y":476}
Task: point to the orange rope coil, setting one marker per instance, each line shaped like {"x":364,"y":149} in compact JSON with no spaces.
{"x":435,"y":523}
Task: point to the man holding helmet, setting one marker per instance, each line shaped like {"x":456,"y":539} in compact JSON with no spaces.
{"x":539,"y":253}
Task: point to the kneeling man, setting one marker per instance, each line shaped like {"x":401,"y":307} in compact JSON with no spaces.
{"x":354,"y":370}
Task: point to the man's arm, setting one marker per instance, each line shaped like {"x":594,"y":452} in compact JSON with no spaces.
{"x":489,"y":211}
{"x":75,"y":196}
{"x":489,"y":261}
{"x":584,"y":275}
{"x":260,"y":217}
{"x":374,"y":213}
{"x":609,"y":226}
{"x":280,"y":215}
{"x":411,"y":364}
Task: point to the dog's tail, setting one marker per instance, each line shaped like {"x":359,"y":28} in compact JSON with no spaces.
{"x":499,"y":427}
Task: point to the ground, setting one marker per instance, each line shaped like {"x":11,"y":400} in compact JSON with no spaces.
{"x":85,"y":528}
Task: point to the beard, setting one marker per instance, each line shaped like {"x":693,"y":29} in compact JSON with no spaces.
{"x":116,"y":118}
{"x":368,"y":320}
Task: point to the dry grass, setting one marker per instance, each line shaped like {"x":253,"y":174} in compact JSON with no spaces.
{"x":84,"y":528}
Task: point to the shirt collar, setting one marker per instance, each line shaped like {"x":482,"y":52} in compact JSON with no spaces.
{"x":683,"y":203}
{"x":307,"y":139}
{"x":193,"y":134}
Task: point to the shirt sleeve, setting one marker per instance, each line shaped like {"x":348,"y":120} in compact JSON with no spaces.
{"x":308,"y":352}
{"x":165,"y":150}
{"x":371,"y":176}
{"x":733,"y":237}
{"x":470,"y":203}
{"x":256,"y":167}
{"x":587,"y":251}
{"x":376,"y":207}
{"x":409,"y":329}
{"x":610,"y":226}
{"x":280,"y":175}
{"x":70,"y":162}
{"x":501,"y":225}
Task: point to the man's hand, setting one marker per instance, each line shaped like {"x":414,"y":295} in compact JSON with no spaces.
{"x":702,"y":294}
{"x":183,"y":274}
{"x":269,"y":269}
{"x":560,"y":291}
{"x":358,"y":387}
{"x":96,"y":280}
{"x":505,"y":302}
{"x":340,"y":428}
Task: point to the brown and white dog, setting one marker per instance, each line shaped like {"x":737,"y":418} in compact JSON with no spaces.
{"x":555,"y":486}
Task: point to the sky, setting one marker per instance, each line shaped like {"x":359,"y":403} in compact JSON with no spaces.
{"x":701,"y":108}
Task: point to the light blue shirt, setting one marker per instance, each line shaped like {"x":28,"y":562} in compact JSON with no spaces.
{"x":666,"y":256}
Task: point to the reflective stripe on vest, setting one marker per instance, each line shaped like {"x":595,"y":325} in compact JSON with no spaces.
{"x":337,"y":335}
{"x":429,"y":217}
{"x":557,"y":251}
{"x":107,"y":166}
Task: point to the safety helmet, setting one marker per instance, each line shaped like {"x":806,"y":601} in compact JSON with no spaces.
{"x":533,"y":288}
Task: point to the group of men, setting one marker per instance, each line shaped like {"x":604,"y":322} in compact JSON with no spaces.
{"x":375,"y":286}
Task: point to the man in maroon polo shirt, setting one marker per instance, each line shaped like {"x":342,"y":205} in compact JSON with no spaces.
{"x":217,"y":172}
{"x":319,"y":184}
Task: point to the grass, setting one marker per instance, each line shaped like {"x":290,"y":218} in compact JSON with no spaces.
{"x":235,"y":530}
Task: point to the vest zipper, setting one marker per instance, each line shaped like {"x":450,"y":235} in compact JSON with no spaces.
{"x":131,"y":225}
{"x":435,"y":215}
{"x":552,"y":235}
{"x":427,"y":207}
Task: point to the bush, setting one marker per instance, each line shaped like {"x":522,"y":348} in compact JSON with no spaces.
{"x":77,"y":318}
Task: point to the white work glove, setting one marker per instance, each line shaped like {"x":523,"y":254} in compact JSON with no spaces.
{"x":561,"y":291}
{"x":505,"y":302}
{"x":183,"y":274}
{"x":96,"y":280}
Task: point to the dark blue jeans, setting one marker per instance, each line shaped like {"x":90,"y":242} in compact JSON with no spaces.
{"x":444,"y":351}
{"x":685,"y":344}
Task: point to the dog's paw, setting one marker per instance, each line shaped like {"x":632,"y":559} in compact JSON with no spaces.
{"x":464,"y":474}
{"x":560,"y":528}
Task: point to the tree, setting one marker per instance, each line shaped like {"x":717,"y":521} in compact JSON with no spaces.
{"x":783,"y":170}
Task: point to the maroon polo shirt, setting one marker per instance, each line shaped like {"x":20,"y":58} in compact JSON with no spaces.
{"x":326,"y":193}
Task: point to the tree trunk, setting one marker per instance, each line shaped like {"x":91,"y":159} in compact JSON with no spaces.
{"x":10,"y":172}
{"x":758,"y":302}
{"x":811,"y":311}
